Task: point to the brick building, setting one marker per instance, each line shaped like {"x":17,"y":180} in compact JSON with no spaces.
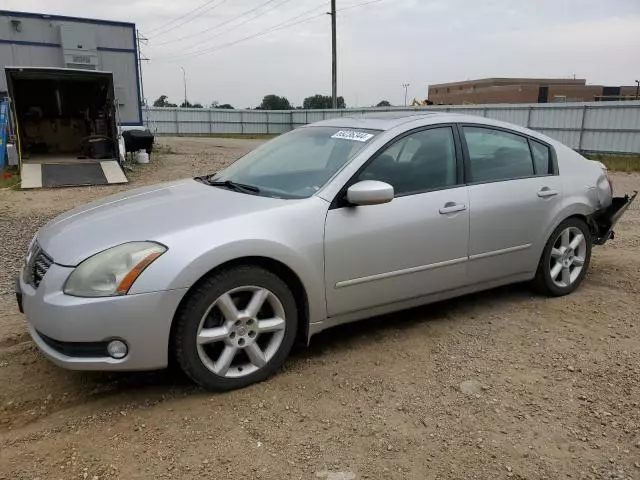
{"x":525,"y":90}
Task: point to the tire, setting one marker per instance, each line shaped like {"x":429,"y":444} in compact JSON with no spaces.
{"x":236,"y":328}
{"x":562,"y":267}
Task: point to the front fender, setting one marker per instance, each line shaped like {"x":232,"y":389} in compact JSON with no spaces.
{"x":294,"y":240}
{"x":309,"y":272}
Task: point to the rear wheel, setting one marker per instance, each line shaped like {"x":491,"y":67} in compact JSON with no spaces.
{"x":565,"y":259}
{"x":236,"y":328}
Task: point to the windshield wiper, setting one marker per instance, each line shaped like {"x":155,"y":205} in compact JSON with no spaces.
{"x":239,"y":187}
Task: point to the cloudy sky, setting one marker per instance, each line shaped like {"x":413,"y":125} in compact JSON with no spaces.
{"x":381,"y":45}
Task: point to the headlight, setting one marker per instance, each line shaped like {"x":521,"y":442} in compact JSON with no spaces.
{"x":113,"y":271}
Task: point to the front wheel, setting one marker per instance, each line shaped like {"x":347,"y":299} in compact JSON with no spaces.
{"x":565,"y":259}
{"x":236,"y":328}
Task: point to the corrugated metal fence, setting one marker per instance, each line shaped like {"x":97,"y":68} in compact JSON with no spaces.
{"x":612,"y":127}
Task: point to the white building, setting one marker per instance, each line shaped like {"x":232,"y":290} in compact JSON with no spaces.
{"x":40,"y":40}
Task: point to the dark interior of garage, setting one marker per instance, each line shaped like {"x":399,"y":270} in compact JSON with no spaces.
{"x":64,"y":117}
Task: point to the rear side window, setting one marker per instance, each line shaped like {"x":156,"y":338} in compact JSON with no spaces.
{"x":497,"y":155}
{"x":541,"y":158}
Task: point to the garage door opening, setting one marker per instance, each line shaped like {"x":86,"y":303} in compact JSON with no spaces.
{"x":65,"y":118}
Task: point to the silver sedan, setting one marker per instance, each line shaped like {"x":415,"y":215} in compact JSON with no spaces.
{"x":331,"y":223}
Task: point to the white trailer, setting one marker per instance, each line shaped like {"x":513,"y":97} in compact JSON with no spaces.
{"x":72,"y":83}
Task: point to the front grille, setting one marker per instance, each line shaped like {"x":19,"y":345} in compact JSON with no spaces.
{"x":37,"y":266}
{"x":76,"y":349}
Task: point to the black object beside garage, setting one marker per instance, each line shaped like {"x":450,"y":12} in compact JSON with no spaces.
{"x":135,"y":140}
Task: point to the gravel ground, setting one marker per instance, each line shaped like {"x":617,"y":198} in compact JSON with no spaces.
{"x":501,"y":384}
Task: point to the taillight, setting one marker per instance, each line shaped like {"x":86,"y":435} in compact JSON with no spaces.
{"x":608,"y":175}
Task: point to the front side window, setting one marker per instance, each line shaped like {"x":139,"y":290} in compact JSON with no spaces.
{"x":497,"y":155}
{"x":421,"y":161}
{"x":299,"y":163}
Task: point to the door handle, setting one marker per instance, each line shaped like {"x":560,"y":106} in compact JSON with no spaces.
{"x":547,"y":192}
{"x":452,"y":207}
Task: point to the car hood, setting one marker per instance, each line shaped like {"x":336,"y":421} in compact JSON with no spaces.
{"x":149,"y":213}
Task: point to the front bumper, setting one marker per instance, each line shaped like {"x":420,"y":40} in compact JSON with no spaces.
{"x":56,"y":320}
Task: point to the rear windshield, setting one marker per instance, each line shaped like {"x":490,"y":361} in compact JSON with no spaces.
{"x":299,"y":163}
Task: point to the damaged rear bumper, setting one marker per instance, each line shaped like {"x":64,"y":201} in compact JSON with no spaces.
{"x":602,"y":222}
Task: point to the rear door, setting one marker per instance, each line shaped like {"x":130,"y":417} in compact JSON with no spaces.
{"x":513,"y":193}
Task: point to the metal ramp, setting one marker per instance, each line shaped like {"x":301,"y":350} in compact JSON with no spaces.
{"x":52,"y":175}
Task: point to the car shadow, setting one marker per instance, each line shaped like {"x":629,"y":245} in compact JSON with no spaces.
{"x":375,"y":329}
{"x":171,"y":381}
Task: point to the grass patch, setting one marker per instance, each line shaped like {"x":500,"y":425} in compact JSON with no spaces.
{"x":618,"y":163}
{"x":9,"y":178}
{"x":162,"y":150}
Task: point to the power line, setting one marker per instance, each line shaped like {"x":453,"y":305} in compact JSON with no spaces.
{"x":190,"y":12}
{"x":273,"y":7}
{"x":176,"y":22}
{"x":208,"y":29}
{"x":259,"y":34}
{"x":357,"y":5}
{"x":277,"y":27}
{"x":280,"y":26}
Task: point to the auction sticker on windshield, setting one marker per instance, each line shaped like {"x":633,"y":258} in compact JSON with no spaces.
{"x":352,"y":135}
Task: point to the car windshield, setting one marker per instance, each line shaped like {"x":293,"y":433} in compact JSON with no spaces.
{"x":297,"y":164}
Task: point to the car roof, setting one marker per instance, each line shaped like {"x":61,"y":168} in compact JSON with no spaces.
{"x":388,"y":120}
{"x":376,"y":120}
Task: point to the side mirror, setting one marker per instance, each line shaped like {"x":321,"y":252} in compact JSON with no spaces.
{"x":370,"y":192}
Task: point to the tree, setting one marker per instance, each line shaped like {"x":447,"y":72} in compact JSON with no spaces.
{"x":226,"y":106}
{"x":318,"y":101}
{"x":383,"y":103}
{"x":274,"y":102}
{"x":188,"y":104}
{"x":161,"y":101}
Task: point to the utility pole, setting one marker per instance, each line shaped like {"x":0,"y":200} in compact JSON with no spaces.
{"x":184,"y":80}
{"x":141,"y":39}
{"x":406,"y":87}
{"x":334,"y":57}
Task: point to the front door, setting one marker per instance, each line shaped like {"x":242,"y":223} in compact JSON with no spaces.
{"x":413,"y":246}
{"x":514,"y":194}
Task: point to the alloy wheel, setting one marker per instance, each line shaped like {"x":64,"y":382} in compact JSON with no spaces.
{"x":567,"y":257}
{"x":241,"y":331}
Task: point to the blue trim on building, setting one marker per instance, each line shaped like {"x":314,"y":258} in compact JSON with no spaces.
{"x":29,"y":44}
{"x":44,"y":16}
{"x":57,"y":45}
{"x":119,"y":50}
